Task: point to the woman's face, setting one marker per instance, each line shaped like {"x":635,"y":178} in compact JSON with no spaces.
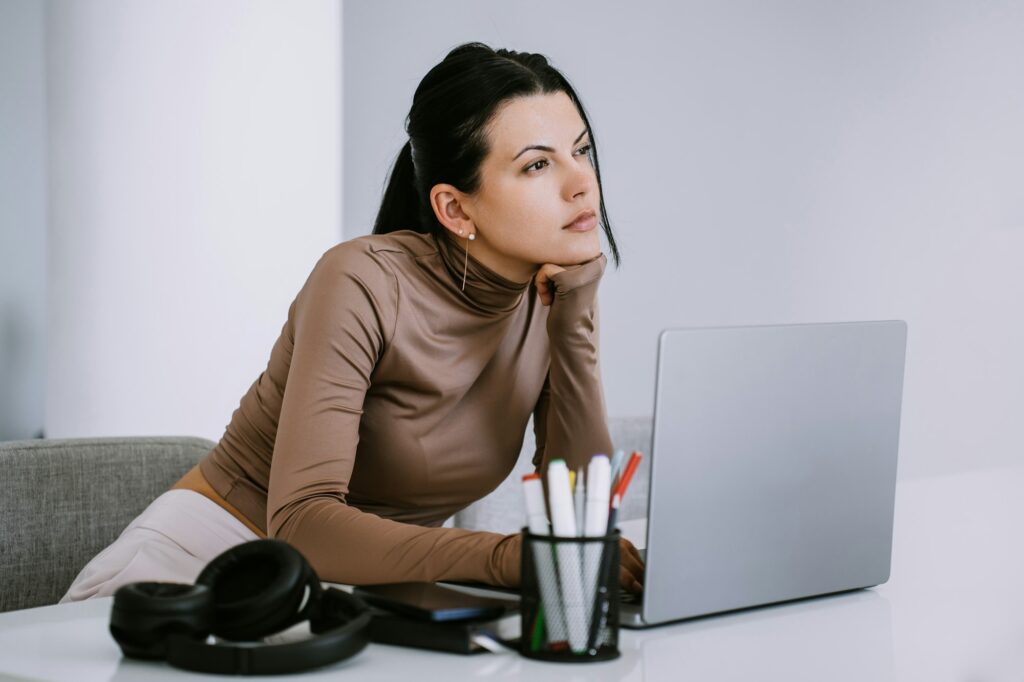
{"x":536,"y":179}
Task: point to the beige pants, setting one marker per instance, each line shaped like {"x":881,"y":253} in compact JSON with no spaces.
{"x":172,"y":540}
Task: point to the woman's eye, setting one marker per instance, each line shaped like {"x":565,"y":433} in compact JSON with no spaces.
{"x":536,"y":165}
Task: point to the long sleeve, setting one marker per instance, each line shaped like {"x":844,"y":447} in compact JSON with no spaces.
{"x":570,"y":420}
{"x":344,"y":320}
{"x":540,"y":423}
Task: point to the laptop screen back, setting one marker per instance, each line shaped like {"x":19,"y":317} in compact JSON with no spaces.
{"x":773,"y":464}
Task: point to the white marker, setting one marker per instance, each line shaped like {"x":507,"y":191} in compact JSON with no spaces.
{"x":599,"y":486}
{"x":599,"y":481}
{"x":563,"y":524}
{"x":537,"y":521}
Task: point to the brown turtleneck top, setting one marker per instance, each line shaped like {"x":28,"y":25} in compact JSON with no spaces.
{"x":393,"y":399}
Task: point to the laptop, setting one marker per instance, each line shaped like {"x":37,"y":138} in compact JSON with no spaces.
{"x":772,"y":466}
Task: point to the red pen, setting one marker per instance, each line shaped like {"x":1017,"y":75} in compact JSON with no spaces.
{"x":627,"y":474}
{"x":620,"y":490}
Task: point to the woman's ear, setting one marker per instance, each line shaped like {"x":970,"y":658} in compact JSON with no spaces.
{"x":448,"y":204}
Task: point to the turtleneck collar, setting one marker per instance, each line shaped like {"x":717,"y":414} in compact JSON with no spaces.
{"x":486,"y":290}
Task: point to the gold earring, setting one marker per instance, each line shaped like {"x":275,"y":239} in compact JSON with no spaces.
{"x":465,"y":263}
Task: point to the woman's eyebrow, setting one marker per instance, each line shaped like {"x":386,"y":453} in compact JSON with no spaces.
{"x":544,"y":148}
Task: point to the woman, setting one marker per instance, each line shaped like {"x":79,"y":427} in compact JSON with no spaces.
{"x":402,"y":382}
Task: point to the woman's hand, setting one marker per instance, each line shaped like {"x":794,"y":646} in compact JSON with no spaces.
{"x":542,"y":280}
{"x":544,"y":284}
{"x":631,"y":575}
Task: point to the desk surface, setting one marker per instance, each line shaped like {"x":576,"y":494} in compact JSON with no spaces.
{"x":953,"y":609}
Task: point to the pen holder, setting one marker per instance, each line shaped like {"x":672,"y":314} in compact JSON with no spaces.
{"x":569,"y":590}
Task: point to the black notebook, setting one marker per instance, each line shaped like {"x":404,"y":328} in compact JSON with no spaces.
{"x":461,"y":637}
{"x":429,"y":616}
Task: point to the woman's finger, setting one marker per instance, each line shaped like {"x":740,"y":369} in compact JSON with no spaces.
{"x":635,"y":567}
{"x":629,"y":547}
{"x":629,"y":580}
{"x":543,"y":282}
{"x":632,"y":568}
{"x":631,"y":554}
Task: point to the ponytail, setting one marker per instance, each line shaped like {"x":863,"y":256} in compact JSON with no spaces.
{"x":400,"y":207}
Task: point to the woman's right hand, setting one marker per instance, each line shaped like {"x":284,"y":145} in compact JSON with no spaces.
{"x":542,"y":280}
{"x":545,"y":285}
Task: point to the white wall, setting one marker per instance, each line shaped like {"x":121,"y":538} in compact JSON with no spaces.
{"x":22,"y":218}
{"x":195,"y":179}
{"x":780,"y":162}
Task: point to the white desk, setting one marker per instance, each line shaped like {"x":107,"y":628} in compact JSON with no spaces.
{"x":952,"y":610}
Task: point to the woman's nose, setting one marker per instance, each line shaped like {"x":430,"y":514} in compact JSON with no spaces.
{"x":581,"y":180}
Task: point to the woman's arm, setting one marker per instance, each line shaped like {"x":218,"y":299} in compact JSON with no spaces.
{"x":344,"y":319}
{"x":570,"y":420}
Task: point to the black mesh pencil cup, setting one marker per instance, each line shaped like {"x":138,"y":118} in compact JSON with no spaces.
{"x":570,"y":597}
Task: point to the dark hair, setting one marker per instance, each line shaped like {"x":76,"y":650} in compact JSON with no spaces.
{"x":446,"y":126}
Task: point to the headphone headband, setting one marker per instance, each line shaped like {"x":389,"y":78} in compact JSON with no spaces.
{"x":250,"y":591}
{"x":345,"y":639}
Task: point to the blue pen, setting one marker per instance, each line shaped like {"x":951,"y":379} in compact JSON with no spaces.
{"x":617,"y":460}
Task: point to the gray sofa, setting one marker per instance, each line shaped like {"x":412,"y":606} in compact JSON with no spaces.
{"x":63,"y":500}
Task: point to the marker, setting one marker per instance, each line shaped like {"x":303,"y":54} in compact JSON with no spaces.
{"x":537,"y":521}
{"x":599,"y":473}
{"x":563,"y":524}
{"x":600,"y":618}
{"x":613,"y":512}
{"x":601,"y":607}
{"x":563,"y":521}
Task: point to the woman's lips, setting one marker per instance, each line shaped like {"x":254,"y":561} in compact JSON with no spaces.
{"x":584,"y":223}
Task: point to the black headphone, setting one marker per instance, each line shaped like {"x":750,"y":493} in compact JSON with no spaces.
{"x":250,"y":591}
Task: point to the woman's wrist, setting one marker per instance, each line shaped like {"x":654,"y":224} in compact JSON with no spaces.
{"x":573,"y":309}
{"x":577,"y":276}
{"x":509,"y":560}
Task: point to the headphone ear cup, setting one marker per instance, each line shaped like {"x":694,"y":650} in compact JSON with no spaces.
{"x":144,"y":614}
{"x":257,"y":588}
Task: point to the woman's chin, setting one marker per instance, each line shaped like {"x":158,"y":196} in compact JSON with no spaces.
{"x":582,"y":247}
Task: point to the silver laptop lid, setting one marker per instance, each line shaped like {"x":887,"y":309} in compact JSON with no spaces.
{"x":773,"y":464}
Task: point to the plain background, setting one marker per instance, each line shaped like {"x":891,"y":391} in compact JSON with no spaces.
{"x":171,"y":172}
{"x":193,"y":178}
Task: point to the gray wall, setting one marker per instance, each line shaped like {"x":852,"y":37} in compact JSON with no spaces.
{"x":22,"y":218}
{"x":772,"y":163}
